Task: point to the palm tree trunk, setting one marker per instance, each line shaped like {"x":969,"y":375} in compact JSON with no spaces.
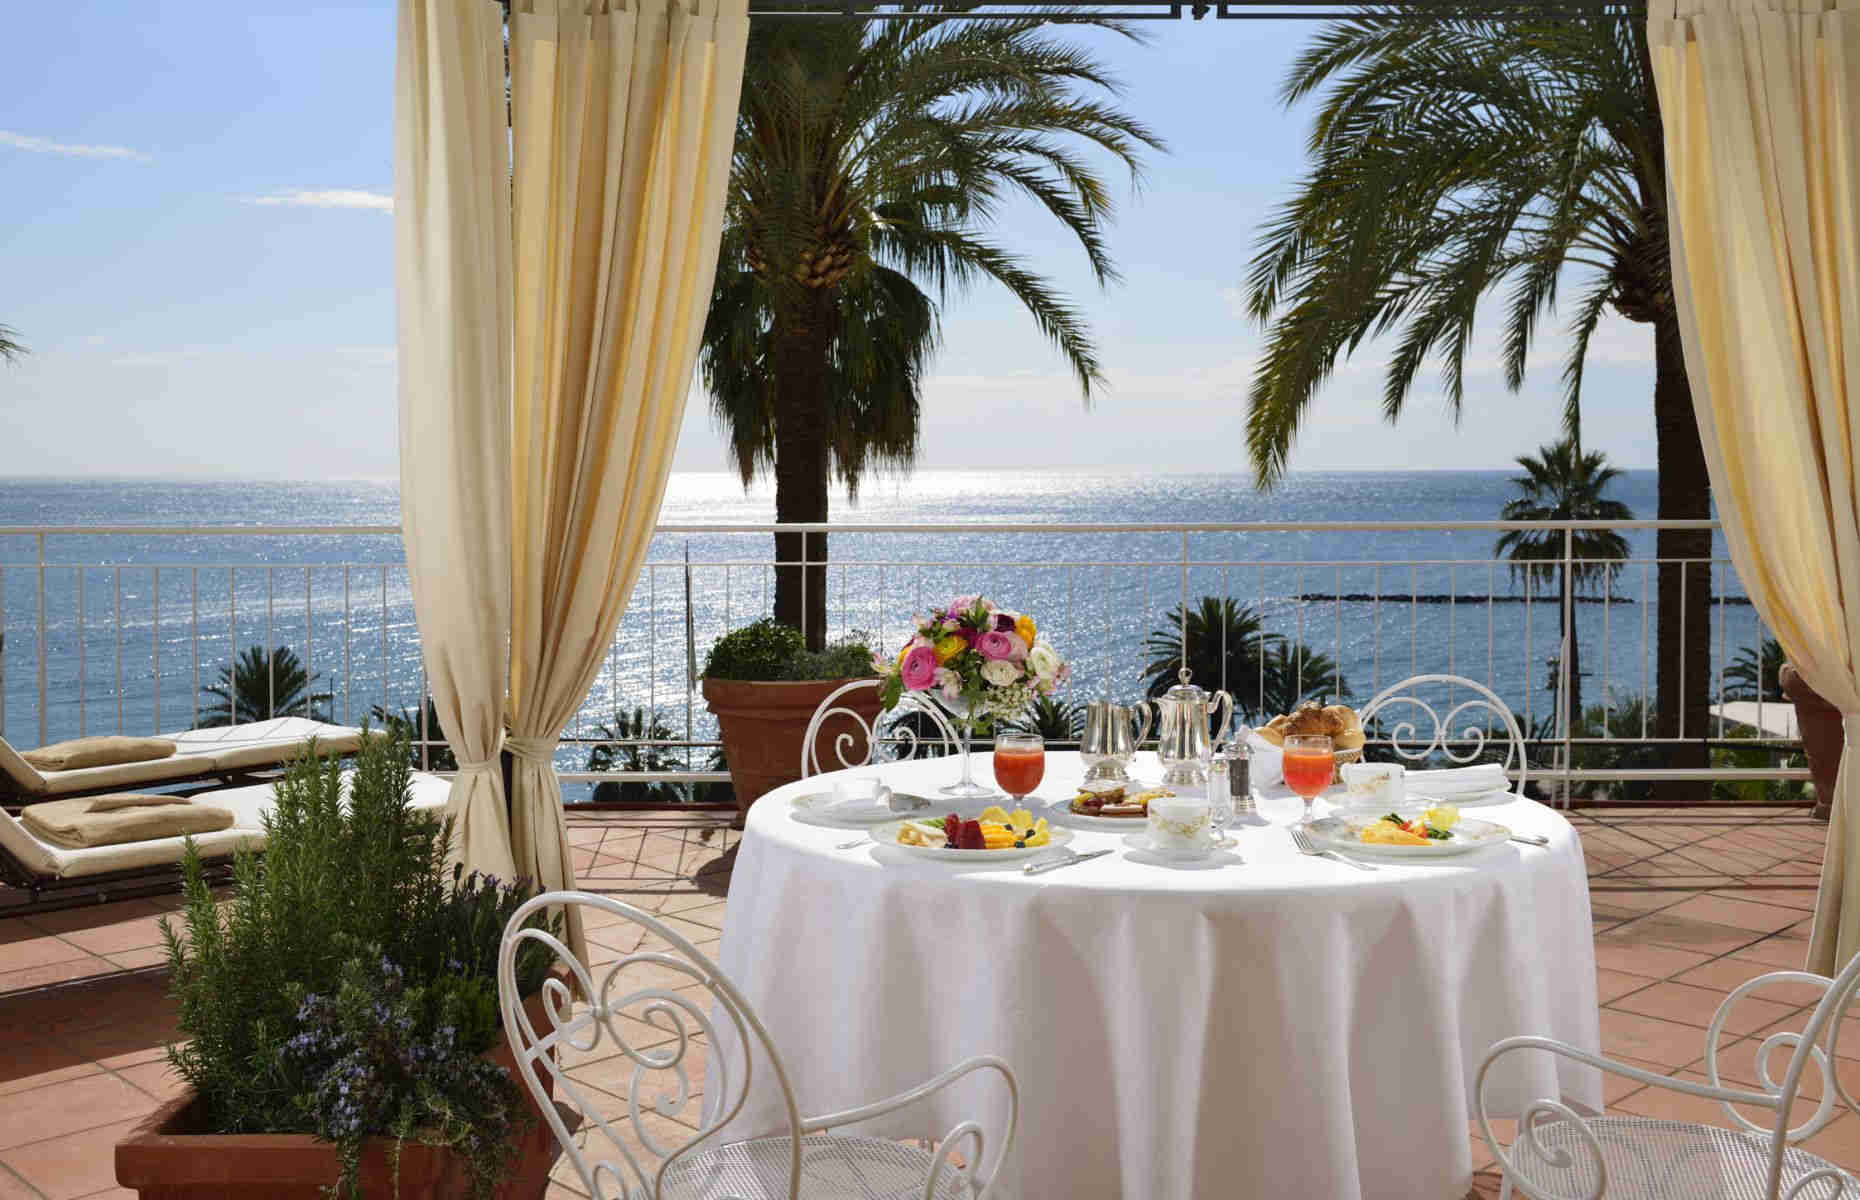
{"x":1684,"y":593}
{"x":803,"y":340}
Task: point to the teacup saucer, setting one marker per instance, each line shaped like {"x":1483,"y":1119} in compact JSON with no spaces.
{"x":1140,"y":840}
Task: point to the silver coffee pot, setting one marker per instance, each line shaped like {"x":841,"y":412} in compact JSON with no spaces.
{"x":1109,"y":741}
{"x":1183,"y":737}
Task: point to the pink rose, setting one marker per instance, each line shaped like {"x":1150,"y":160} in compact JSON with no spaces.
{"x":1020,"y":646}
{"x":996,"y":645}
{"x":919,"y":670}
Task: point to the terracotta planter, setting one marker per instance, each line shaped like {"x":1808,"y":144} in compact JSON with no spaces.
{"x":1822,"y":736}
{"x":764,"y":724}
{"x":163,"y":1158}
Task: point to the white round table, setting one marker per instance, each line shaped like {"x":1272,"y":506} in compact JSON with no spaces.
{"x":1271,"y":1026}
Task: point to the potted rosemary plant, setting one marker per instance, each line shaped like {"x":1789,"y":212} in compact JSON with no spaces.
{"x":340,"y":1011}
{"x":763,"y":684}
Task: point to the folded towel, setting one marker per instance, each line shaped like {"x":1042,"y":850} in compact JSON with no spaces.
{"x":97,"y":752}
{"x":71,"y":824}
{"x":1459,"y":781}
{"x":118,"y":800}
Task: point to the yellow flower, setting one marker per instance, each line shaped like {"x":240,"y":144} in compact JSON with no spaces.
{"x":1024,"y":626}
{"x":949,"y":647}
{"x":901,"y":653}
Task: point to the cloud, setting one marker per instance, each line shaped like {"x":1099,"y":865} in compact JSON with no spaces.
{"x":39,"y":145}
{"x":327,"y":198}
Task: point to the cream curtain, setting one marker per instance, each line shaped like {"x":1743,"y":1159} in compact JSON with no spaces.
{"x":453,"y":274}
{"x":1761,"y":100}
{"x":623,"y":121}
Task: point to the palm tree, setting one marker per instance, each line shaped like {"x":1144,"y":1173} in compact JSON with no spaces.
{"x":1562,"y":483}
{"x":262,"y":684}
{"x":426,"y":742}
{"x":1455,"y":156}
{"x":1756,"y":674}
{"x":634,"y":743}
{"x":1229,"y":648}
{"x":1055,"y":720}
{"x":870,"y":159}
{"x":11,"y":348}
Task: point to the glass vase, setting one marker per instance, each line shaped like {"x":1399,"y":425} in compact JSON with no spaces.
{"x":967,"y":787}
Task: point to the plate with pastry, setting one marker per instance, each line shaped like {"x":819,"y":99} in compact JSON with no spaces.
{"x":995,"y":836}
{"x":1437,"y":832}
{"x":1101,"y":804}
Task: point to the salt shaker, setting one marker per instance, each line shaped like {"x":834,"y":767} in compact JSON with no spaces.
{"x":1220,"y":799}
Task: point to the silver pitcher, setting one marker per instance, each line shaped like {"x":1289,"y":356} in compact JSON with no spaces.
{"x":1183,"y":737}
{"x":1109,"y":741}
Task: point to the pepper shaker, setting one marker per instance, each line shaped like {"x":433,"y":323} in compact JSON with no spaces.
{"x":1240,"y":773}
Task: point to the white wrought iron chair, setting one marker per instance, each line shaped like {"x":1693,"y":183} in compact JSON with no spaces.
{"x":642,"y":1162}
{"x":1559,"y":1155}
{"x":905,"y":740}
{"x":1404,"y":735}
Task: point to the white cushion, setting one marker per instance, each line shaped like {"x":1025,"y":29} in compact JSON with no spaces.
{"x":247,"y":804}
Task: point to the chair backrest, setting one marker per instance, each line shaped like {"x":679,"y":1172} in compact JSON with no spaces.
{"x":905,"y":740}
{"x":1806,"y":1047}
{"x":16,"y":774}
{"x":591,"y":1006}
{"x":1417,"y":729}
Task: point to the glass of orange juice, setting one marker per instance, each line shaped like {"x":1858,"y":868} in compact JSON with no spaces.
{"x":1020,"y":763}
{"x":1310,"y":764}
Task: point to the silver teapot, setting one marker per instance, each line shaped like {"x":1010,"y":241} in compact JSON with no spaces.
{"x":1109,"y":742}
{"x":1183,"y":737}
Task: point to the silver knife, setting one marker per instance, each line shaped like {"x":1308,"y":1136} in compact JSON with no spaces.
{"x":1053,"y":864}
{"x":1530,"y":839}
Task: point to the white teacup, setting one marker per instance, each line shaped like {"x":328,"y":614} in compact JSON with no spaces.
{"x":1371,"y":785}
{"x":1181,"y":826}
{"x":860,"y":792}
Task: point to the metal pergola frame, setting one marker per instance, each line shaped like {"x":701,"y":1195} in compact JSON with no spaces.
{"x":1227,"y":10}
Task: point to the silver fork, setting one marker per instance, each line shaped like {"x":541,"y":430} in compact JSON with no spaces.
{"x":1305,"y":845}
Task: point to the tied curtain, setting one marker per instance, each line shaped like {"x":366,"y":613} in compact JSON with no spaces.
{"x":1761,"y":103}
{"x":554,"y":279}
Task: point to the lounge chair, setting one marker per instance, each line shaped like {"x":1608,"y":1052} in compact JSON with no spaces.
{"x":226,"y":751}
{"x":58,"y":877}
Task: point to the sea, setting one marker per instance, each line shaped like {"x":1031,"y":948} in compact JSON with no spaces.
{"x":134,"y":624}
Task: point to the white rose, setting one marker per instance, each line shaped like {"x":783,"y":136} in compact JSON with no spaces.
{"x":1000,"y":672}
{"x":1042,"y":661}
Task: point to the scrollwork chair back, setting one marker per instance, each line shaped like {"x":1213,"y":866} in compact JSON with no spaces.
{"x":904,"y":739}
{"x":1589,"y":1153}
{"x":1405,"y":737}
{"x":645,"y":987}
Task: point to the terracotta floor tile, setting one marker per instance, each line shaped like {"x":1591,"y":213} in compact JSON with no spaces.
{"x":1839,"y":1143}
{"x":1618,"y":950}
{"x":50,"y":973}
{"x":70,"y":1165}
{"x":118,"y":937}
{"x":27,"y":1064}
{"x":156,"y":1078}
{"x":66,"y":1107}
{"x":1612,"y":984}
{"x":1726,"y":974}
{"x":22,"y":947}
{"x":12,"y":1187}
{"x":1684,"y":933}
{"x":140,"y":958}
{"x":1738,"y":914}
{"x":1697,"y":1006}
{"x":1801,"y":899}
{"x":92,"y":916}
{"x":1779,"y":952}
{"x":1650,"y":1039}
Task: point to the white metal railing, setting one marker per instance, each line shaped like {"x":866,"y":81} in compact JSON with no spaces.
{"x":160,"y":603}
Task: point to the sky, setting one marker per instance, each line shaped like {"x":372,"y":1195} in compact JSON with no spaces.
{"x":196,"y":245}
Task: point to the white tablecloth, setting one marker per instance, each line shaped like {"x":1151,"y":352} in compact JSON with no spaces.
{"x":1277,"y":1027}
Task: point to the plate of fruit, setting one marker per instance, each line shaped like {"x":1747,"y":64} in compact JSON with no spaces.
{"x":1437,"y":832}
{"x":996,"y":835}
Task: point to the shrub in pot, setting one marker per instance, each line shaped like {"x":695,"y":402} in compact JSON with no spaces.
{"x":341,"y":1011}
{"x":763,"y":684}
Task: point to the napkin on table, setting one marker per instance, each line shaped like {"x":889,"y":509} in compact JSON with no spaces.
{"x":1458,"y":781}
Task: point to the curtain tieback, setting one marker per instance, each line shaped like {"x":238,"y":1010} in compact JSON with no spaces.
{"x":490,"y":764}
{"x":538,"y":750}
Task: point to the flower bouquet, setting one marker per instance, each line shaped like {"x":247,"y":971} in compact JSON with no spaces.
{"x":974,"y":661}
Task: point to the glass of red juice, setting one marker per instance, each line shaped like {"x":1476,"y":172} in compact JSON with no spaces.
{"x":1020,"y":763}
{"x":1310,"y":764}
